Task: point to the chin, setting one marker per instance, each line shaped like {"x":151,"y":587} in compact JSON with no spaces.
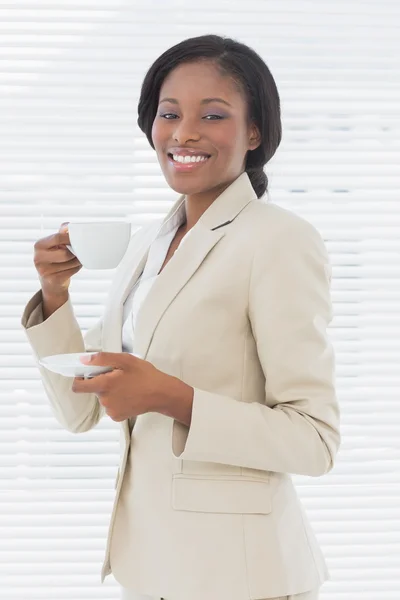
{"x":185,"y":183}
{"x":187,"y":190}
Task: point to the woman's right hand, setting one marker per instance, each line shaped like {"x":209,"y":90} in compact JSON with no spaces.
{"x":54,"y":263}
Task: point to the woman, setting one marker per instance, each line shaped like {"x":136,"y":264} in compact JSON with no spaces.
{"x":215,"y":325}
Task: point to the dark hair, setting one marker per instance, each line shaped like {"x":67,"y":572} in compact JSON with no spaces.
{"x":249,"y":72}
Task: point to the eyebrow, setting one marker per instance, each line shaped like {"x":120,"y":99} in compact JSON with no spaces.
{"x":204,"y":101}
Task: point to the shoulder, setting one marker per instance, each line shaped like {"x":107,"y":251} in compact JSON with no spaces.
{"x":277,"y":220}
{"x":275,"y":227}
{"x":289,"y":246}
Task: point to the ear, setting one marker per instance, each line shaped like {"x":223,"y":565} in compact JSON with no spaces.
{"x":254,"y":137}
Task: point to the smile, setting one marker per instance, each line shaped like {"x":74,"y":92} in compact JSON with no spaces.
{"x":187,"y":163}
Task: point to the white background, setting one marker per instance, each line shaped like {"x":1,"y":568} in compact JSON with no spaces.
{"x":70,"y":76}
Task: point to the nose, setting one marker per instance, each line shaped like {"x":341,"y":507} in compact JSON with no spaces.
{"x":185,"y":131}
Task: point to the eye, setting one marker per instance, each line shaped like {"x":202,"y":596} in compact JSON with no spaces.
{"x":167,"y":115}
{"x":218,"y":117}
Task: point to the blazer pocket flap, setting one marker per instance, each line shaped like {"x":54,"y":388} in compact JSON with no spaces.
{"x":228,"y":495}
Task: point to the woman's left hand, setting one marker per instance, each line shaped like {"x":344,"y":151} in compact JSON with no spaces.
{"x":134,"y":386}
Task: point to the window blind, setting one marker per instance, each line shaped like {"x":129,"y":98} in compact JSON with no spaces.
{"x":70,"y":149}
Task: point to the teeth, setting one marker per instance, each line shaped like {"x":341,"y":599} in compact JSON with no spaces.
{"x":189,"y":159}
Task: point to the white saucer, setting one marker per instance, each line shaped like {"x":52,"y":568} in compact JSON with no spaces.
{"x":69,"y":365}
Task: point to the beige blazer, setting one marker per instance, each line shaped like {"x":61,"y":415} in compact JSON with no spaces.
{"x":240,"y":313}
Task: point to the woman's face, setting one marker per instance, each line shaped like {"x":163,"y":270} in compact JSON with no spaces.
{"x":187,"y":120}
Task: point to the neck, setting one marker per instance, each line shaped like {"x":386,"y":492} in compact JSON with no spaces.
{"x":197,"y":204}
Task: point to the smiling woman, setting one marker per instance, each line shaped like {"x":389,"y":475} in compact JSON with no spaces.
{"x":234,"y":388}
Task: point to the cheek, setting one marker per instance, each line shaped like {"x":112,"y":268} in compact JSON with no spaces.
{"x":228,"y":139}
{"x":157,"y":133}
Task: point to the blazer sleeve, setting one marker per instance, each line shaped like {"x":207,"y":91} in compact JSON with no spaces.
{"x":60,"y":334}
{"x":289,"y":310}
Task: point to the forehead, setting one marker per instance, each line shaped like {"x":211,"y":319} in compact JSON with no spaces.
{"x":198,"y":80}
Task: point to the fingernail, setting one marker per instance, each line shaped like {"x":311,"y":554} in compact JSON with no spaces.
{"x":85,"y":359}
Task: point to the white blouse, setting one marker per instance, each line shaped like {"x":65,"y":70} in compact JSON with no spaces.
{"x":157,"y":254}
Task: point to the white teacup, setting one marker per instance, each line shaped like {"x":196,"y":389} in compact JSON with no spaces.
{"x":99,"y":244}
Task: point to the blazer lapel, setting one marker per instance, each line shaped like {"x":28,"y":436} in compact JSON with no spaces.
{"x":170,"y":281}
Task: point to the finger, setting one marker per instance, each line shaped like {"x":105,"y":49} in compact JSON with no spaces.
{"x":62,"y":237}
{"x":117,"y":360}
{"x":58,"y":256}
{"x":54,"y":240}
{"x":96,"y":385}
